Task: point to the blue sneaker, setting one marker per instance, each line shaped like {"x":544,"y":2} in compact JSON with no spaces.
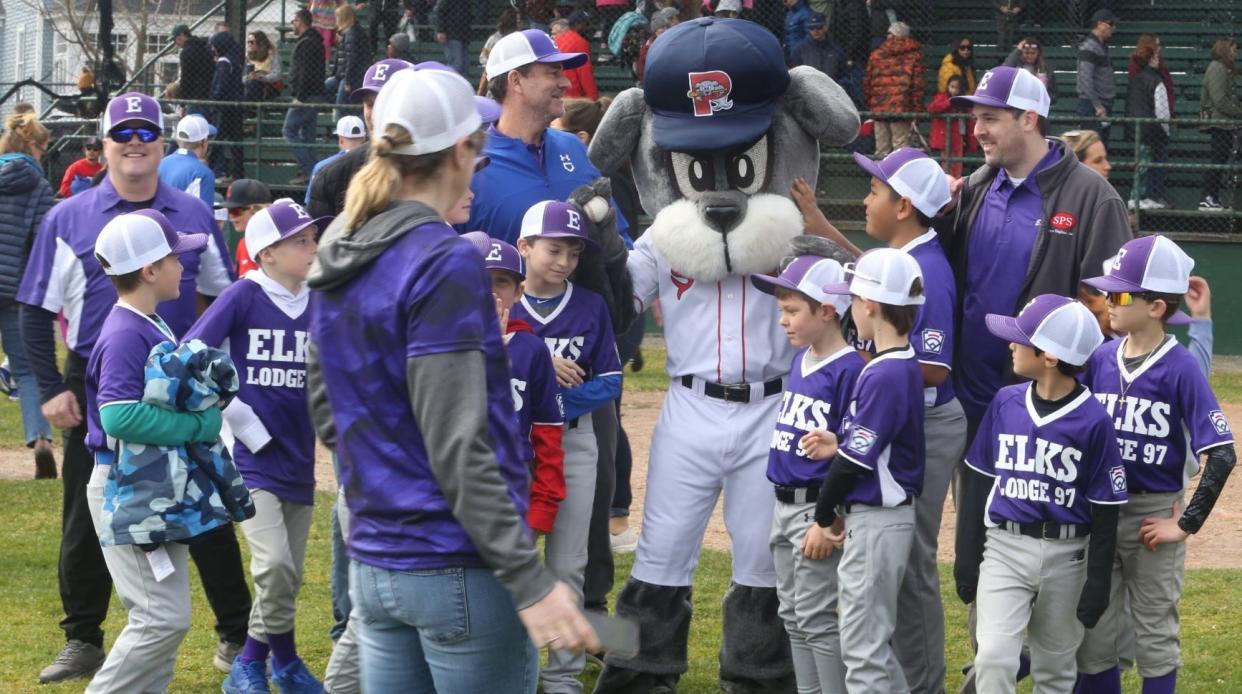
{"x":296,"y":679}
{"x":246,"y":678}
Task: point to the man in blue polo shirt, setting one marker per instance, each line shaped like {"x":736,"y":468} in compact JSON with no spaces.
{"x":63,"y":276}
{"x":185,"y":169}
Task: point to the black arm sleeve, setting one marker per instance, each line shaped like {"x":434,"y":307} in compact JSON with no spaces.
{"x":1220,"y":462}
{"x":971,"y":533}
{"x":1100,"y":550}
{"x":317,"y":394}
{"x":842,"y":478}
{"x":39,"y":339}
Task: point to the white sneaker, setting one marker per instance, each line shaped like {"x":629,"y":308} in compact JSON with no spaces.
{"x":1210,"y":203}
{"x":624,"y":542}
{"x":1150,"y":204}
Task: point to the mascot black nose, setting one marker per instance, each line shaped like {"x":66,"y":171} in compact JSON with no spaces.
{"x":723,"y":217}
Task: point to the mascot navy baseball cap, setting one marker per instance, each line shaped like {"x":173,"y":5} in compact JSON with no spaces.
{"x":526,"y":47}
{"x":1150,"y":264}
{"x":553,"y":219}
{"x":713,"y":83}
{"x":1008,"y":87}
{"x":274,"y":224}
{"x":1058,"y":325}
{"x":808,"y":274}
{"x":130,"y":242}
{"x":913,"y":175}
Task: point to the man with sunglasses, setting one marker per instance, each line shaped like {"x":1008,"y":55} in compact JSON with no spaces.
{"x":1097,"y":87}
{"x":64,"y":276}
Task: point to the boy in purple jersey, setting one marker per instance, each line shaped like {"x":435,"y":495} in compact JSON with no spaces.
{"x":878,"y":471}
{"x":576,"y":328}
{"x":1044,"y":478}
{"x":820,"y":381}
{"x":908,"y":189}
{"x":264,"y":324}
{"x":139,"y":251}
{"x":1166,"y":417}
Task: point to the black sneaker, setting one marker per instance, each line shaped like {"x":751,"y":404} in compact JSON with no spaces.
{"x":77,"y":660}
{"x":45,"y":462}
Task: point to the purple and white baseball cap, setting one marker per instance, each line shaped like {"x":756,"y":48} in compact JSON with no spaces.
{"x":913,"y":175}
{"x":553,"y":219}
{"x":808,"y":274}
{"x":130,"y":242}
{"x":1008,"y":87}
{"x":277,"y":222}
{"x":497,"y":254}
{"x":489,"y":110}
{"x":132,"y":106}
{"x":436,"y":107}
{"x":1148,"y":264}
{"x":526,"y":47}
{"x":1058,"y":325}
{"x":377,"y":76}
{"x":885,"y":275}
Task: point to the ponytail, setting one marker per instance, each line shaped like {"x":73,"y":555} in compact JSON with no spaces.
{"x":20,"y":130}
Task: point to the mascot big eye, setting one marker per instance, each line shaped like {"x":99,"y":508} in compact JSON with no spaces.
{"x":716,"y":137}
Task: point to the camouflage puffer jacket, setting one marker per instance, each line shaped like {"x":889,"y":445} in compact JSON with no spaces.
{"x":893,"y":81}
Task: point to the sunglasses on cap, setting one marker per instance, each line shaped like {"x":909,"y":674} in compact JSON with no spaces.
{"x":124,"y":135}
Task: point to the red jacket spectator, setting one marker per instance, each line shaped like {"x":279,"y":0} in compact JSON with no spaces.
{"x":581,"y":79}
{"x":957,"y":133}
{"x":893,"y":81}
{"x":80,"y":169}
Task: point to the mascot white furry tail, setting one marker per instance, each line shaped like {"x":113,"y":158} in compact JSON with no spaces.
{"x":716,"y":138}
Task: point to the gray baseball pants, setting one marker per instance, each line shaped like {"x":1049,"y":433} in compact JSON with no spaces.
{"x":873,"y":563}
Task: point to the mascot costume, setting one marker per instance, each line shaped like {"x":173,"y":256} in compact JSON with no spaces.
{"x":716,"y":137}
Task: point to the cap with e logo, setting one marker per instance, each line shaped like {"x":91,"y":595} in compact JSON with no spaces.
{"x":553,"y":219}
{"x":276,"y":223}
{"x":132,"y":106}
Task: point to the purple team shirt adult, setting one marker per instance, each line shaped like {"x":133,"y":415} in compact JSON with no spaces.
{"x":883,"y":430}
{"x":64,"y":276}
{"x":426,"y":294}
{"x":816,"y":394}
{"x":932,"y":333}
{"x":116,"y":369}
{"x":267,"y":341}
{"x":1047,"y":468}
{"x":1001,"y":243}
{"x":536,"y":395}
{"x":1164,"y":412}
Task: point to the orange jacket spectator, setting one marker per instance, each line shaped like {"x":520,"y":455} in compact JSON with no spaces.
{"x":893,"y":81}
{"x":581,"y":79}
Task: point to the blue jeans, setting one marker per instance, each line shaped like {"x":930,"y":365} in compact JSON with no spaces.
{"x":1090,"y":121}
{"x":455,"y":56}
{"x":340,"y":569}
{"x":299,"y":129}
{"x":33,"y":423}
{"x":1154,"y":186}
{"x":452,"y":631}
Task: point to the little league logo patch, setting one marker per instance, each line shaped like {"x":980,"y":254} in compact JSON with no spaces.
{"x":1219,"y":422}
{"x":709,"y":92}
{"x":1118,"y":477}
{"x":861,"y":440}
{"x":933,"y":340}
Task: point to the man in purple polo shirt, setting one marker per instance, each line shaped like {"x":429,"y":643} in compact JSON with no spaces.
{"x":63,"y":276}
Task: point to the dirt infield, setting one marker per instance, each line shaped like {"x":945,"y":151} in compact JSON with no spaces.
{"x":1217,"y":546}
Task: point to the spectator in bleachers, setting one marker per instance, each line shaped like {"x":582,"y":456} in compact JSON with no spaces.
{"x":951,"y":136}
{"x":1219,"y":99}
{"x":353,"y":54}
{"x":226,"y":85}
{"x":893,"y":83}
{"x":506,"y":24}
{"x":1008,"y":13}
{"x":351,"y":133}
{"x":663,"y":20}
{"x":880,"y":16}
{"x":196,"y":67}
{"x":853,"y":30}
{"x":306,"y":76}
{"x":572,"y":40}
{"x":323,"y":20}
{"x":726,"y":9}
{"x":609,"y":11}
{"x":79,"y":174}
{"x":452,"y":22}
{"x":797,"y":16}
{"x":399,"y":48}
{"x":263,"y":78}
{"x":819,"y":51}
{"x":1029,"y":56}
{"x":960,"y":60}
{"x":1150,"y":97}
{"x":535,"y":14}
{"x":385,"y":16}
{"x":1097,"y":87}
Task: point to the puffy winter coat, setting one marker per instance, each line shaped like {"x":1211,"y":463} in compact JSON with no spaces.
{"x":25,"y":196}
{"x":893,"y":81}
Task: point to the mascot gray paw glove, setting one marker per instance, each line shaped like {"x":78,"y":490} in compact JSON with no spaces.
{"x":592,"y":198}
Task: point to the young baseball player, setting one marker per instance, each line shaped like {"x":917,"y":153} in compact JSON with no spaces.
{"x":878,"y":470}
{"x":138,"y":251}
{"x":262,"y":321}
{"x":1166,"y":417}
{"x":242,"y":200}
{"x":821,"y":379}
{"x":575,"y":326}
{"x":908,"y":189}
{"x":1044,"y":478}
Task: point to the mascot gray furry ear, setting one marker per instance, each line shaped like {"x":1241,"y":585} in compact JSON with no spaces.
{"x":739,"y":221}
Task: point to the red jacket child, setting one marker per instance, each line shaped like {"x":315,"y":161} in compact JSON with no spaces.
{"x":581,"y":79}
{"x":955,"y":134}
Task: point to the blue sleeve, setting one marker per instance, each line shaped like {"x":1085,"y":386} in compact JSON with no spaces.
{"x":591,"y":396}
{"x":1201,"y":338}
{"x":207,"y":191}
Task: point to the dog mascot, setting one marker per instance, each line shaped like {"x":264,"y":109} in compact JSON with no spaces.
{"x":716,"y":137}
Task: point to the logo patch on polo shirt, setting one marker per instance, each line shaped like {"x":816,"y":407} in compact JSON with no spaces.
{"x":861,"y":440}
{"x":1062,"y":223}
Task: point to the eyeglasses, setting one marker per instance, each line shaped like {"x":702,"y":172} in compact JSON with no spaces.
{"x":124,"y":135}
{"x":965,"y":47}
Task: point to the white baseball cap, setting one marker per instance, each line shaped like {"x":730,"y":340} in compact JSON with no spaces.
{"x":277,"y":222}
{"x":132,"y":241}
{"x":1058,"y":325}
{"x":808,"y":274}
{"x":1148,"y":264}
{"x":913,"y":175}
{"x":436,"y":107}
{"x":194,"y":128}
{"x":885,"y":275}
{"x":351,"y":127}
{"x":1008,"y":87}
{"x":526,"y":47}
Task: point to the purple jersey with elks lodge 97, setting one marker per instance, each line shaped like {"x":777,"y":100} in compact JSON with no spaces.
{"x":1164,"y":412}
{"x":883,"y":430}
{"x":816,"y":394}
{"x":578,"y":329}
{"x":1047,"y":468}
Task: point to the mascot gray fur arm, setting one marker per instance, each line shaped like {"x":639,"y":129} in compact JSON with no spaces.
{"x":604,"y":272}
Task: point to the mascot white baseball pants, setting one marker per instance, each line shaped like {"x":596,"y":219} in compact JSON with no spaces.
{"x":701,"y":446}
